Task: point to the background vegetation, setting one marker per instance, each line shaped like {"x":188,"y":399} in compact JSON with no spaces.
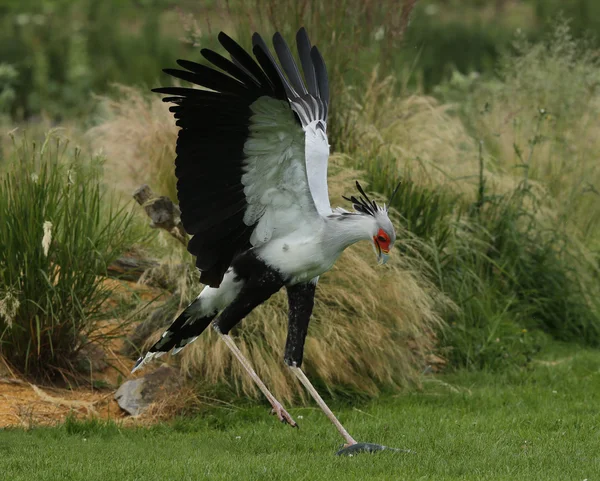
{"x":487,"y":111}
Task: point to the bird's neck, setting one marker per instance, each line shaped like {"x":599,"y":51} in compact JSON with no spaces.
{"x":344,"y":230}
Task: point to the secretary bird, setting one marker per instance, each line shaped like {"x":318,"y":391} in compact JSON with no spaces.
{"x":251,"y":165}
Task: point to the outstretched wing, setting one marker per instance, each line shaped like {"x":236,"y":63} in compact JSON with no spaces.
{"x":251,"y":154}
{"x":310,"y":101}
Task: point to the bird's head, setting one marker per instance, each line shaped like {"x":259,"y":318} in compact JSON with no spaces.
{"x":383,"y":232}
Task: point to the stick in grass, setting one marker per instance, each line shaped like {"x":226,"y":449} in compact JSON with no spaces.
{"x":163,"y":213}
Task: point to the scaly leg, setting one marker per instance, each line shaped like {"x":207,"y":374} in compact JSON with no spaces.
{"x":313,"y":392}
{"x":301,"y":302}
{"x":278,"y":409}
{"x":259,"y":283}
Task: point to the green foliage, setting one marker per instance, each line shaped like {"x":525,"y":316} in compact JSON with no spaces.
{"x":583,"y":15}
{"x":515,"y":252}
{"x":546,"y":93}
{"x":64,"y":51}
{"x":539,"y":116}
{"x":471,"y":37}
{"x":8,"y":81}
{"x":552,"y":282}
{"x":515,"y":275}
{"x":436,"y":46}
{"x":60,"y":232}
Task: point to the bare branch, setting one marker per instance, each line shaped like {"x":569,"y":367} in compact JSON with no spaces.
{"x":163,"y":213}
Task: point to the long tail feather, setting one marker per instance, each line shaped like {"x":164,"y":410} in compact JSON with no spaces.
{"x":184,"y":330}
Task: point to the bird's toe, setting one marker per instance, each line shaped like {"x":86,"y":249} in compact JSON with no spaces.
{"x":353,"y":449}
{"x":284,"y":416}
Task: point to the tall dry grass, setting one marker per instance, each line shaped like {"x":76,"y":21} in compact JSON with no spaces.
{"x":372,"y":328}
{"x":540,"y":117}
{"x":497,"y":229}
{"x":419,"y":136}
{"x":138,"y":138}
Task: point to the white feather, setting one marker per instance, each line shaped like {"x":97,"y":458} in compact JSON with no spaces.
{"x":285,"y":183}
{"x":317,"y":154}
{"x":275,"y":179}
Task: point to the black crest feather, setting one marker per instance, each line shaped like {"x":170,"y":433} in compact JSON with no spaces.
{"x":395,"y":191}
{"x":363,"y":203}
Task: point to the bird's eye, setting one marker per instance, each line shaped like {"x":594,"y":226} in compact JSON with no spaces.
{"x":380,"y":238}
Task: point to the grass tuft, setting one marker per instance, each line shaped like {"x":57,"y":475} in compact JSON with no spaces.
{"x":60,"y":232}
{"x":539,"y":118}
{"x":498,"y":241}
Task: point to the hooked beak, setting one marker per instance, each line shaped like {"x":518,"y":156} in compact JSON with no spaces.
{"x":382,"y":254}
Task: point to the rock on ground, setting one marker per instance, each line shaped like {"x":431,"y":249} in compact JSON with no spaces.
{"x":136,"y":395}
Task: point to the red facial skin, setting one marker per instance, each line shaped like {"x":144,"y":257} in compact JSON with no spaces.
{"x":382,"y":241}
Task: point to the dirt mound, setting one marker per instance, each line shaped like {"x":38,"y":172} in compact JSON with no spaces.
{"x":26,"y":405}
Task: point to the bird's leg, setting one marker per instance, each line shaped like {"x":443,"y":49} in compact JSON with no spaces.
{"x":301,"y":299}
{"x":313,"y":392}
{"x":259,"y":284}
{"x":278,"y":409}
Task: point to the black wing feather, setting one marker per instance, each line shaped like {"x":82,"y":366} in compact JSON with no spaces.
{"x":321,"y":73}
{"x":209,"y":77}
{"x":214,"y":129}
{"x":244,"y":60}
{"x":210,"y":151}
{"x":303,"y":45}
{"x":268,"y":63}
{"x":289,"y":65}
{"x":189,"y":93}
{"x":229,"y":67}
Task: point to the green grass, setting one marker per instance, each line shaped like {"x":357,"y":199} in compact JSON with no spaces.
{"x":536,"y":424}
{"x":61,"y":230}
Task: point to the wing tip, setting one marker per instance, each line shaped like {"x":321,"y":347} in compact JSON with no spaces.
{"x":257,"y":40}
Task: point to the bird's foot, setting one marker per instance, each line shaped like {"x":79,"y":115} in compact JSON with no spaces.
{"x":357,"y":448}
{"x":283,"y":415}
